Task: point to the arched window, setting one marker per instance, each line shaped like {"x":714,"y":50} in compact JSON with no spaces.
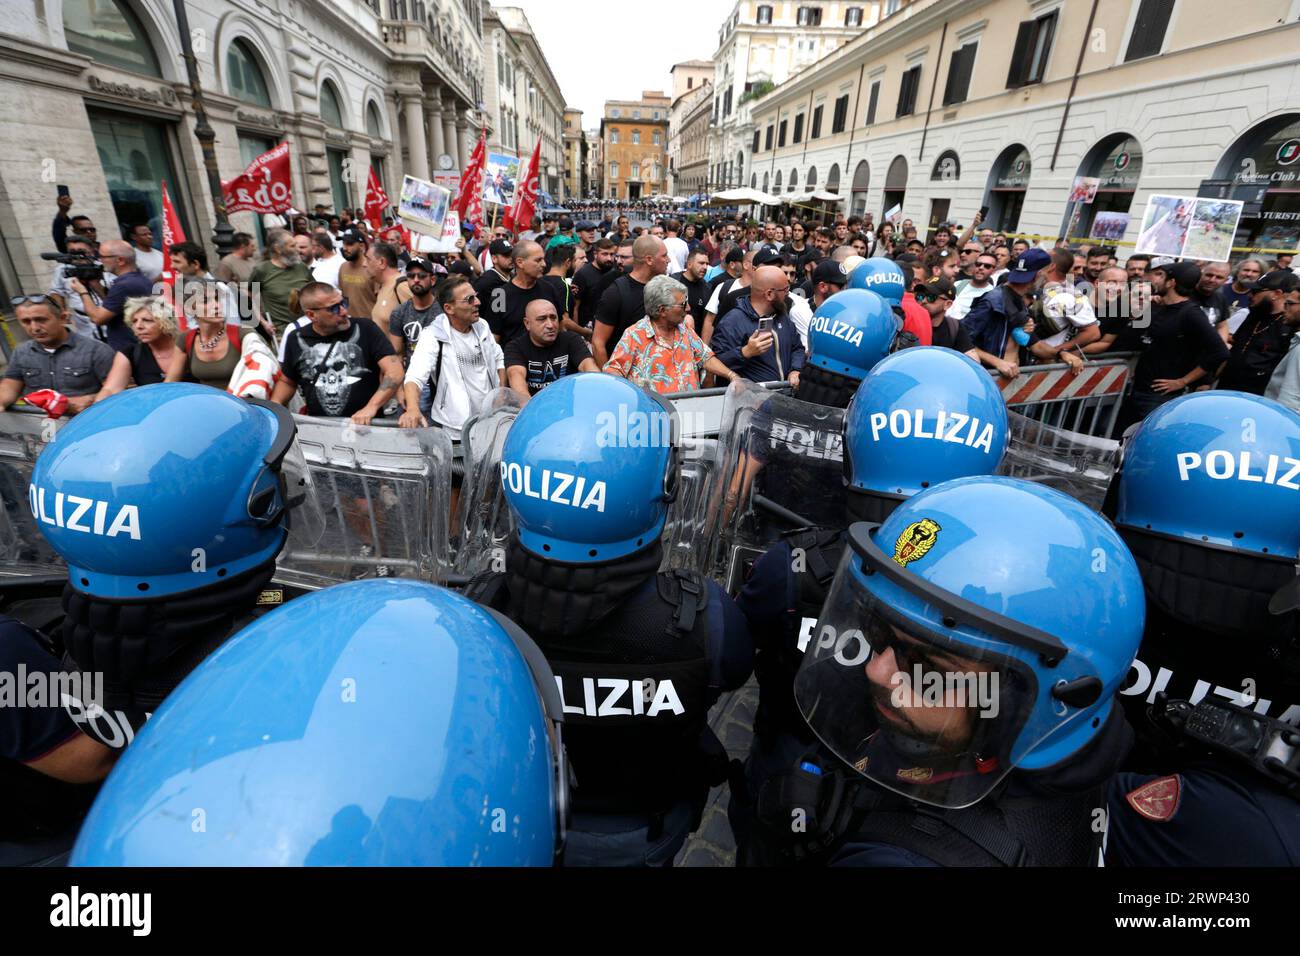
{"x":776,"y":183}
{"x":330,"y":110}
{"x":374,"y":129}
{"x":811,"y":181}
{"x":109,"y":32}
{"x":947,"y":167}
{"x":765,"y":182}
{"x":794,"y":180}
{"x":244,"y":80}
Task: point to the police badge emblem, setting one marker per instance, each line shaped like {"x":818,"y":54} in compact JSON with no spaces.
{"x":1157,"y":800}
{"x":916,"y":541}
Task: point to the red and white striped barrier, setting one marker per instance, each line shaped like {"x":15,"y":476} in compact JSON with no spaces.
{"x":1059,"y":385}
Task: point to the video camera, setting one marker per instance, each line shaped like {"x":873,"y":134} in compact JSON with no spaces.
{"x":85,"y":268}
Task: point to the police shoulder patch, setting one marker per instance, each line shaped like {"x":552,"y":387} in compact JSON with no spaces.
{"x":916,"y":774}
{"x":1157,"y":800}
{"x":916,"y":541}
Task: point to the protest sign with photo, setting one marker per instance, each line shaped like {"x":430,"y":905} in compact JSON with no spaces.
{"x":423,"y":206}
{"x":1084,"y":189}
{"x":1110,"y":225}
{"x":1189,"y":227}
{"x":500,"y":178}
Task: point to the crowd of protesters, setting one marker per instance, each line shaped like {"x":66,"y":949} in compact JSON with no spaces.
{"x":341,"y":319}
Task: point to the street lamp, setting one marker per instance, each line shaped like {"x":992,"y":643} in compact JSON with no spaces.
{"x":223,"y":234}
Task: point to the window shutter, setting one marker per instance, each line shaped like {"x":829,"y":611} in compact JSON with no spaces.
{"x":1020,"y":55}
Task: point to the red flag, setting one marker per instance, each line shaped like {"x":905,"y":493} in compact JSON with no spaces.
{"x":521,"y":215}
{"x":469,"y":204}
{"x":376,"y":202}
{"x":172,"y":233}
{"x":263,"y":186}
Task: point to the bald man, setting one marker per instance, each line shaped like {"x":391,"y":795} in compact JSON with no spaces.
{"x":623,"y":303}
{"x":544,"y":354}
{"x":507,"y":302}
{"x":129,"y":282}
{"x":757,"y":339}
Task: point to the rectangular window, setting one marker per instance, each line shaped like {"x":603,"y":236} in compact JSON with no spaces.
{"x":755,"y":149}
{"x":338,"y":182}
{"x":636,"y":137}
{"x":907,"y":89}
{"x":810,"y":16}
{"x":841,"y":115}
{"x":726,"y":102}
{"x":798,"y":128}
{"x":817,"y":124}
{"x":613,"y":170}
{"x":767,"y":140}
{"x":613,"y":137}
{"x":871,"y":103}
{"x":1033,"y":44}
{"x":853,"y":17}
{"x":959,"y":70}
{"x":764,"y":14}
{"x":658,"y":138}
{"x":636,"y":170}
{"x":636,"y":114}
{"x":1148,"y":36}
{"x":780,"y":136}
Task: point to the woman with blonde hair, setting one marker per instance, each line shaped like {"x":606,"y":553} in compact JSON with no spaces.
{"x":153,"y":320}
{"x":211,"y":350}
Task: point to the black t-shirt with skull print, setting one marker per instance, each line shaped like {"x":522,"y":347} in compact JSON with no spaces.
{"x":337,"y":374}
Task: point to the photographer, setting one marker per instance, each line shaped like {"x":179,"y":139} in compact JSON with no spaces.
{"x":119,"y":259}
{"x":89,"y":271}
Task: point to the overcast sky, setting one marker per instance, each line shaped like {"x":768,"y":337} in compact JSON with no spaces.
{"x":612,"y":50}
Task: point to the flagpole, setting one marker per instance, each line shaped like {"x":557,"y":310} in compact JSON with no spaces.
{"x":222,"y":234}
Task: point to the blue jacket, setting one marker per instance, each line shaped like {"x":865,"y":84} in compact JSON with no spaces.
{"x":734,"y":330}
{"x":991,"y":319}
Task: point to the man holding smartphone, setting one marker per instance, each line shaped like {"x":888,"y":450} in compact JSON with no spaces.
{"x":757,"y":339}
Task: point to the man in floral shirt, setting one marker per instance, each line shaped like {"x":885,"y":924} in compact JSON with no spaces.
{"x":659,"y":352}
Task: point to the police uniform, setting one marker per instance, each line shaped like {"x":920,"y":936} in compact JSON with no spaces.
{"x":1208,"y":499}
{"x":639,"y":655}
{"x":1009,"y":777}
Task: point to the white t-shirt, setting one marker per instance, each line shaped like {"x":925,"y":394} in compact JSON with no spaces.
{"x":966,"y":298}
{"x":150,"y":263}
{"x":678,"y":251}
{"x":327,"y":270}
{"x":801,"y":314}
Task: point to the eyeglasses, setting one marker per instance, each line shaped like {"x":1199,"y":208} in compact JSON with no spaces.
{"x":924,"y":297}
{"x":334,"y":309}
{"x":39,"y":298}
{"x":985,"y":265}
{"x":470,"y":299}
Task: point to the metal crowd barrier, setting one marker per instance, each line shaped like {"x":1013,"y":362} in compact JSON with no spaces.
{"x":1087,"y":403}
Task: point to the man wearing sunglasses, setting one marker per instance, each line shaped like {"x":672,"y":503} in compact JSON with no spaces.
{"x":54,"y":360}
{"x":936,"y":297}
{"x":980,"y":269}
{"x":345,"y":369}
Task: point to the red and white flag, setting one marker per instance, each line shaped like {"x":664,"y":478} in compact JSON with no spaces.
{"x":469,"y":204}
{"x":172,"y":233}
{"x":376,"y":202}
{"x":520,"y":217}
{"x":263,"y":186}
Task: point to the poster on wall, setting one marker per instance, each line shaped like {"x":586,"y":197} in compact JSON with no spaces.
{"x":1084,"y":189}
{"x":423,"y":206}
{"x":1110,"y":225}
{"x":1189,"y":227}
{"x":500,"y":178}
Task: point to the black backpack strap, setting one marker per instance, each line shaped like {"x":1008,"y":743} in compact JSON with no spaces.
{"x":688,"y":593}
{"x":975,"y":836}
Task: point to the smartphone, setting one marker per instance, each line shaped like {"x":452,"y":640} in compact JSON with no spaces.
{"x":63,"y":191}
{"x":765,"y":325}
{"x":984,"y":211}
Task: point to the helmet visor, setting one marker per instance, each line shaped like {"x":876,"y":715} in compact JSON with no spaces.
{"x":916,"y":701}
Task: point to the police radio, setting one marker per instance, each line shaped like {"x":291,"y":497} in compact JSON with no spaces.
{"x":1270,"y":746}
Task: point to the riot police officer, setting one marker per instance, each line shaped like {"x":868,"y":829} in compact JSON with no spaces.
{"x":1208,"y":500}
{"x":967,"y":713}
{"x":588,"y":470}
{"x":847,"y":335}
{"x":375,"y":723}
{"x":169,"y":505}
{"x":920,"y":417}
{"x":887,"y":278}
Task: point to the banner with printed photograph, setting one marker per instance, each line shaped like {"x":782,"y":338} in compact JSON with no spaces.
{"x":423,"y":205}
{"x":500,"y":178}
{"x":1189,"y":227}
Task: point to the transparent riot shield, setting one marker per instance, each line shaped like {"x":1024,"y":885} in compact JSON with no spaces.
{"x":779,"y":467}
{"x":24,"y":552}
{"x":482,"y":516}
{"x":385,"y":499}
{"x":1079,"y":465}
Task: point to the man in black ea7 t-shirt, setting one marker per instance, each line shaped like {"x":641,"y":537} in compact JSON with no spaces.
{"x":505,"y":305}
{"x":936,"y":297}
{"x":623,"y":303}
{"x":544,"y":354}
{"x":408,"y":320}
{"x":697,"y":290}
{"x":346,"y":367}
{"x":591,"y":280}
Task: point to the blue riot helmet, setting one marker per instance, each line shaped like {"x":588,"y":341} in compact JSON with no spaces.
{"x":1209,"y":502}
{"x":921,"y":417}
{"x":375,"y":723}
{"x":168,"y":489}
{"x":882,"y":276}
{"x":945,"y":655}
{"x":589,"y":468}
{"x":850,"y":332}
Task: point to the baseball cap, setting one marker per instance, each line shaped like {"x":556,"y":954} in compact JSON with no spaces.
{"x":1280,"y":281}
{"x":828,"y":270}
{"x":566,"y":223}
{"x":1161,"y":262}
{"x":501,"y":247}
{"x":353,"y":235}
{"x":585,"y":225}
{"x":1030,"y":263}
{"x":736,"y":255}
{"x":460,"y":267}
{"x":419,"y":263}
{"x":938,"y":287}
{"x":1183,"y":273}
{"x":768,"y":256}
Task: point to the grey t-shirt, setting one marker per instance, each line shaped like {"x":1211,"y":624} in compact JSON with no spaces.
{"x":77,"y":367}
